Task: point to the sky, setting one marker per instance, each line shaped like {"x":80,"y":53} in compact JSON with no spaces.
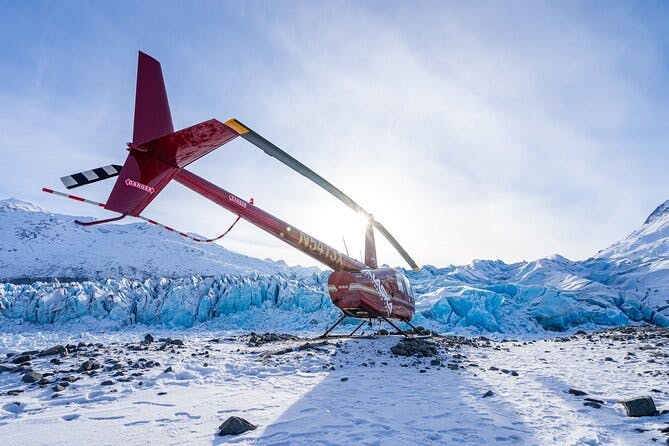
{"x":471,"y":130}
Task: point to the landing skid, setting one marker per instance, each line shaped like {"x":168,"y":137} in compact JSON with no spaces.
{"x":391,"y":323}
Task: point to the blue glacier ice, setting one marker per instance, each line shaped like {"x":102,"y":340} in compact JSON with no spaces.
{"x":624,"y":284}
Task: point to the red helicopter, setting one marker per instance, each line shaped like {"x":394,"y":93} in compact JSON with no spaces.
{"x":158,"y":154}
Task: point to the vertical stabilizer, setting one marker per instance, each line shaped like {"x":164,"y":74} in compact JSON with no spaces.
{"x":152,"y":110}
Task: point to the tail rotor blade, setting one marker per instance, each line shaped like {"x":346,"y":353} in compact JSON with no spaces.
{"x":90,"y":176}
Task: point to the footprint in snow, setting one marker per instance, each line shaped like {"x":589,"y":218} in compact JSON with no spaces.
{"x":14,"y":407}
{"x":70,"y":417}
{"x":150,"y":403}
{"x":136,"y":423}
{"x":186,"y":414}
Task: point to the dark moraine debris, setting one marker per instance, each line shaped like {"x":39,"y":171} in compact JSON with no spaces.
{"x":55,"y":350}
{"x":414,"y":347}
{"x":31,"y":377}
{"x":256,"y":340}
{"x":643,"y":406}
{"x":108,"y":382}
{"x":577,"y":392}
{"x":89,"y":365}
{"x":235,"y":426}
{"x":148,"y":338}
{"x":21,"y":359}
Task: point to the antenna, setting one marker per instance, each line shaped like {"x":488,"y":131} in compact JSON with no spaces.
{"x":345,"y":246}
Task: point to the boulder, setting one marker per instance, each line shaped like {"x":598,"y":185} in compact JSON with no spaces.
{"x":31,"y":377}
{"x":577,"y":392}
{"x":642,"y":406}
{"x":235,"y":426}
{"x":55,"y":350}
{"x":88,"y":365}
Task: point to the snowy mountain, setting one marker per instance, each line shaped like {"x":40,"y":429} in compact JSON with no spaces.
{"x":624,"y":284}
{"x":648,"y":242}
{"x":36,"y":244}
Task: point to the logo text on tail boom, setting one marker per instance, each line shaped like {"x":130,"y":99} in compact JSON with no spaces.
{"x":138,"y":185}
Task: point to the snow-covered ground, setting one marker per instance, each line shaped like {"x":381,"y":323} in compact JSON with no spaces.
{"x":304,"y":392}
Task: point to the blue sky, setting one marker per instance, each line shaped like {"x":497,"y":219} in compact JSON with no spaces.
{"x":509,"y":130}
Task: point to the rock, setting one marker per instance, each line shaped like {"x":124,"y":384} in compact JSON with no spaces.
{"x":344,"y":379}
{"x":148,"y":338}
{"x":108,"y":382}
{"x":577,"y":392}
{"x":414,"y":347}
{"x":592,"y":400}
{"x":168,"y":370}
{"x":59,"y":388}
{"x":6,"y":368}
{"x":488,"y":394}
{"x":382,"y":332}
{"x":256,"y":340}
{"x":55,"y":350}
{"x":88,"y":365}
{"x":31,"y":377}
{"x":29,"y":353}
{"x":21,"y":359}
{"x":235,"y":426}
{"x":592,"y":404}
{"x":435,"y":362}
{"x":643,"y":406}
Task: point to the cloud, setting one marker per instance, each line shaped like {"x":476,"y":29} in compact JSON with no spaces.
{"x":471,"y":130}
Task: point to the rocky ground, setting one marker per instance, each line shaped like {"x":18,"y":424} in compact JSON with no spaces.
{"x":178,"y":387}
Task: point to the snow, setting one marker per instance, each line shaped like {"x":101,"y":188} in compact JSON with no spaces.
{"x":36,"y":244}
{"x":344,"y":391}
{"x":111,"y":289}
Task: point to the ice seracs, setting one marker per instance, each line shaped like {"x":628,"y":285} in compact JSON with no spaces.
{"x":625,"y":284}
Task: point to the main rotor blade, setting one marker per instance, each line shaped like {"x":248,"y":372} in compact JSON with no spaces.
{"x":275,"y":152}
{"x":396,"y":245}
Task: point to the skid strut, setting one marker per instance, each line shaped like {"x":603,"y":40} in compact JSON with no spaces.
{"x":391,"y":323}
{"x":343,"y":316}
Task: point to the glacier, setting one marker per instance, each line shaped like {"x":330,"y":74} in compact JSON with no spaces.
{"x":625,"y":284}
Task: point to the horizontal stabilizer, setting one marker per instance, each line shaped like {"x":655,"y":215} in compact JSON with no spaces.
{"x":180,"y":148}
{"x":90,"y":176}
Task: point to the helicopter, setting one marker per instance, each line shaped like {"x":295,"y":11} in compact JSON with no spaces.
{"x":158,"y":154}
